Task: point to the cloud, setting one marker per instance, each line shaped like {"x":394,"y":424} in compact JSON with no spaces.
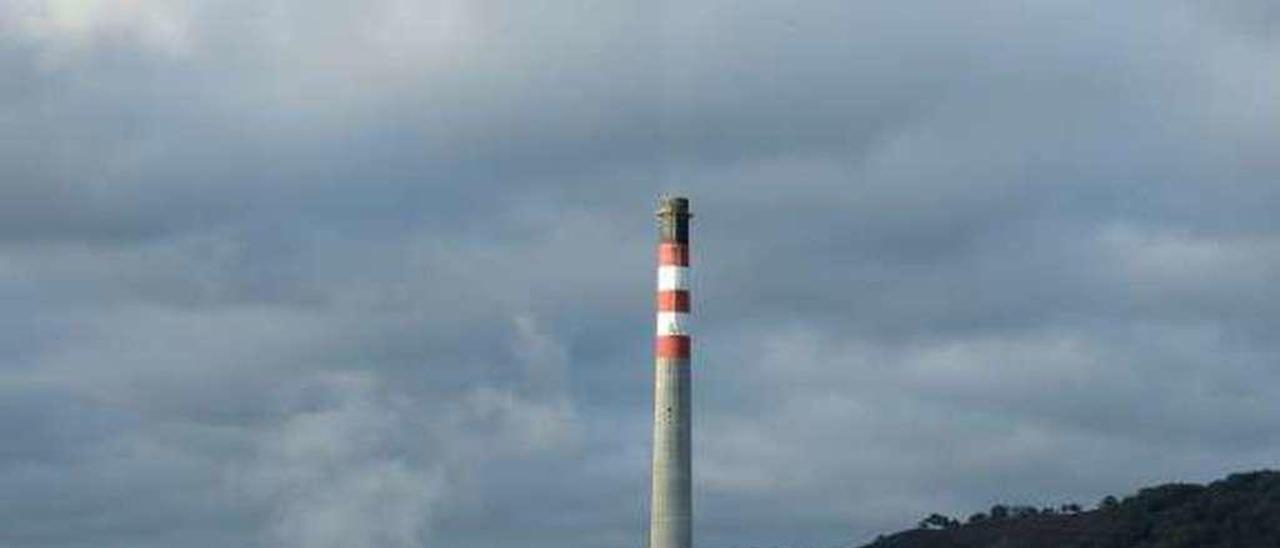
{"x":67,"y":27}
{"x":342,"y":474}
{"x":380,"y":274}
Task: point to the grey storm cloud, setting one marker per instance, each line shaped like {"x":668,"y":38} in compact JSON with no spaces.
{"x":379,"y":274}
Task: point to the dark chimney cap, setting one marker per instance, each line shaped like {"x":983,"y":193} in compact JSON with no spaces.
{"x":674,"y":205}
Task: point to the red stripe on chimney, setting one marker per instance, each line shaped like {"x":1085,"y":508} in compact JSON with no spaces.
{"x":674,"y":254}
{"x":676,"y":300}
{"x":673,"y":347}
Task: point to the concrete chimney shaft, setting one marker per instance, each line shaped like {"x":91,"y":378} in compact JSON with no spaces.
{"x":671,"y":502}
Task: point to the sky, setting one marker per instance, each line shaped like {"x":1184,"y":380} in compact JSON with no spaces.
{"x":380,"y":274}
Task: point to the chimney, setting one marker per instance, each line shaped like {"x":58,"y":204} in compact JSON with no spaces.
{"x":671,"y":504}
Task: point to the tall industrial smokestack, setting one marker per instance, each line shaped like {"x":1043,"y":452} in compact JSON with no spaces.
{"x":671,"y":505}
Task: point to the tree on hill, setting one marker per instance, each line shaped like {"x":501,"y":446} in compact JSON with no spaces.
{"x":999,"y":512}
{"x":938,"y":521}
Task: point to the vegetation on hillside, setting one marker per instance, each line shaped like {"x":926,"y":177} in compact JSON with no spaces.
{"x":1240,"y":511}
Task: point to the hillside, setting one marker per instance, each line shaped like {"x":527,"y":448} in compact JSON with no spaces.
{"x":1240,"y":511}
